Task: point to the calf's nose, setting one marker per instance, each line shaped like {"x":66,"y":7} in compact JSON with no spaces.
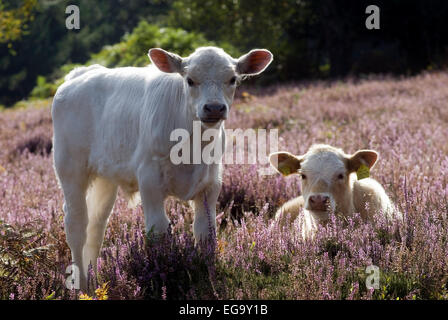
{"x":319,"y":202}
{"x":215,"y":110}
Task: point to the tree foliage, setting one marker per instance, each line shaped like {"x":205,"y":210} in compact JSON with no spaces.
{"x":309,"y":38}
{"x":132,"y":51}
{"x":326,"y":38}
{"x":48,"y":44}
{"x":14,"y":21}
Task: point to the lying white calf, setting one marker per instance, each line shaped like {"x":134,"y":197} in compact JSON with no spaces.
{"x":329,"y":184}
{"x":112,"y":128}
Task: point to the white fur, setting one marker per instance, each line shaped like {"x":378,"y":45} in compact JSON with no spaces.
{"x":112,"y":129}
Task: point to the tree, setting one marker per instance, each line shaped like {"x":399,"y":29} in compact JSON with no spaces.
{"x":14,"y":21}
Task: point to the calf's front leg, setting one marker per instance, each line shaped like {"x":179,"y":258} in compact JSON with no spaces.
{"x":153,"y":200}
{"x":205,"y":217}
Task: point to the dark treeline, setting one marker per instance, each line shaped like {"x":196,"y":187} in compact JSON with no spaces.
{"x":309,"y":38}
{"x":48,"y":44}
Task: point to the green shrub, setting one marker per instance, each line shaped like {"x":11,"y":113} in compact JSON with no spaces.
{"x":132,"y":51}
{"x":43,"y":89}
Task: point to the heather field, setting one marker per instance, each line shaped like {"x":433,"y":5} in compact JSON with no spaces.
{"x":405,"y":120}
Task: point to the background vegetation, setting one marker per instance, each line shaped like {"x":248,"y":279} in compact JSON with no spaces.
{"x":405,"y":120}
{"x":309,"y":39}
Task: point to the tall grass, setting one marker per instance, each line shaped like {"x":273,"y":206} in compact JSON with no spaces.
{"x":406,"y":120}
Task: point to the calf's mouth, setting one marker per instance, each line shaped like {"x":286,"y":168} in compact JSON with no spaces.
{"x":211,"y":122}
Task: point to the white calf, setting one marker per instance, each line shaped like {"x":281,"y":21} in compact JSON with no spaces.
{"x":112,"y":128}
{"x":330,"y":185}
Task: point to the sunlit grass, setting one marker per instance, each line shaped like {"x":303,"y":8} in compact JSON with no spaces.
{"x":405,"y":120}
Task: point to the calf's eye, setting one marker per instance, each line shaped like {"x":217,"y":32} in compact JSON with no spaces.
{"x":232,"y":81}
{"x":340,"y":176}
{"x":303,"y":177}
{"x":190,"y":82}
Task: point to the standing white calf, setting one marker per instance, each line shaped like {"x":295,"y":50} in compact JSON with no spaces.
{"x":329,"y":184}
{"x":112,"y":128}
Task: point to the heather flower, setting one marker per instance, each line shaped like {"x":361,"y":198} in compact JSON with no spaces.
{"x":250,"y":257}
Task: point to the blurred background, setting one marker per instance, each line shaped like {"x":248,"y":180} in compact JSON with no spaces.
{"x":310,"y":39}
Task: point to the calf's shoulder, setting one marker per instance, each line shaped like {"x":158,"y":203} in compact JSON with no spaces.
{"x":369,"y":197}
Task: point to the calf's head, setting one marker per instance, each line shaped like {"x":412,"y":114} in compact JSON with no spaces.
{"x":326,"y":176}
{"x":211,"y":76}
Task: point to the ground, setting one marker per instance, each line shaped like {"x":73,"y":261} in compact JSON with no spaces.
{"x":405,"y":120}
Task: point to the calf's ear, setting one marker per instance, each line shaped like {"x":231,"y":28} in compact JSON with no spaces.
{"x":254,"y":62}
{"x":165,"y":61}
{"x":285,"y":162}
{"x":366,"y":157}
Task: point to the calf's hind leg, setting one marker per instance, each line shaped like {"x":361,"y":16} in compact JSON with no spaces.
{"x":74,"y":187}
{"x":100,"y":201}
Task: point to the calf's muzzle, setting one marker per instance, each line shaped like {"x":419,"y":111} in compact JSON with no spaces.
{"x":213,"y":112}
{"x":318,"y":202}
